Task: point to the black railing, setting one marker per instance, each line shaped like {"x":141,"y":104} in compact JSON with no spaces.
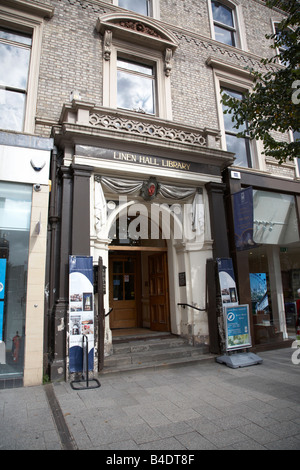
{"x":192,"y":306}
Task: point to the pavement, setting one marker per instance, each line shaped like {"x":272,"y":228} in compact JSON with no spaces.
{"x":204,"y":406}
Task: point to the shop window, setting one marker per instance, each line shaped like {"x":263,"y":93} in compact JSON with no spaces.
{"x":275,"y":282}
{"x":15,"y":213}
{"x":135,"y":86}
{"x":240,"y":146}
{"x":15,"y":51}
{"x":224,"y":23}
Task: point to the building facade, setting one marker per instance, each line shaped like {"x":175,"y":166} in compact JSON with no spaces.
{"x":144,"y":164}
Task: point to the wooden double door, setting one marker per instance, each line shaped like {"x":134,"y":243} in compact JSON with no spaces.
{"x":125,"y":281}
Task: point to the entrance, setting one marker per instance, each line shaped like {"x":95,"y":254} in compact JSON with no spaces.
{"x":139,"y":289}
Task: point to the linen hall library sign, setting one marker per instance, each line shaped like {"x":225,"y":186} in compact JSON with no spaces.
{"x":145,"y":160}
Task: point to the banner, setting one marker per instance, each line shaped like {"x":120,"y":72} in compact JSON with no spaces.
{"x":237,"y":327}
{"x":243,"y":219}
{"x":3,"y":262}
{"x":81,"y":311}
{"x":227,"y":282}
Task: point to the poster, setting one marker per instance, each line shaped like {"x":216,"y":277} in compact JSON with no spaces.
{"x":237,"y":327}
{"x":243,"y":219}
{"x":227,"y":281}
{"x":81,"y":311}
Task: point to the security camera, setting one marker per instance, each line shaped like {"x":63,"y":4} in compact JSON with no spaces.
{"x":37,"y":187}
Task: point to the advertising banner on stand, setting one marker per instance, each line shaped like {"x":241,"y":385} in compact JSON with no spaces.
{"x":237,"y":327}
{"x":227,"y":281}
{"x":3,"y":262}
{"x":81,"y":311}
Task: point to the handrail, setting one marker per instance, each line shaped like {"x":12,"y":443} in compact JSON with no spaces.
{"x":192,"y":306}
{"x":106,"y":315}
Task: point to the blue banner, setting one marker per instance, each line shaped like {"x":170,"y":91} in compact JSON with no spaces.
{"x":243,"y":219}
{"x":3,"y":263}
{"x":227,"y":281}
{"x":81,"y":312}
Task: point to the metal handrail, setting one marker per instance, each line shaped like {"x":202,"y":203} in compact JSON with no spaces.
{"x":192,"y":306}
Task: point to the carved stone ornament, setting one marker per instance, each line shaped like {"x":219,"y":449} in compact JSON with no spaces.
{"x":107,"y":44}
{"x":139,"y":27}
{"x":149,"y":189}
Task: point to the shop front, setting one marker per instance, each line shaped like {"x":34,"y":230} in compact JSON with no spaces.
{"x":268,"y":269}
{"x":24,"y":194}
{"x":144,"y":204}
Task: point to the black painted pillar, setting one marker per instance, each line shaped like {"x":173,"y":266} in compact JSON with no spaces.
{"x":61,"y":260}
{"x":81,"y":210}
{"x":219,"y":231}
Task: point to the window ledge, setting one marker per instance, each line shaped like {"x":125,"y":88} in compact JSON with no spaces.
{"x":31,"y":7}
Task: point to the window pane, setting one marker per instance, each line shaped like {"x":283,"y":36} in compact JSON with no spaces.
{"x":12,"y":105}
{"x":15,"y":212}
{"x":139,"y":6}
{"x":240,"y":147}
{"x":22,"y":38}
{"x":118,"y":287}
{"x":222,"y":14}
{"x":225,"y":36}
{"x":135,"y":92}
{"x":144,"y":69}
{"x":129,"y":287}
{"x":229,"y":125}
{"x":14,"y":66}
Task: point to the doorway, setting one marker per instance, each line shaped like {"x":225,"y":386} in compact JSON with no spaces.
{"x":139,"y":289}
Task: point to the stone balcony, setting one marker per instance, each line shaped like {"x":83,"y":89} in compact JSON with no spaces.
{"x":82,"y":122}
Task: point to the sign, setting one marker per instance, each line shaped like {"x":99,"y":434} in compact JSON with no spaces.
{"x":3,"y":262}
{"x":147,"y":160}
{"x":237,"y":327}
{"x":81,"y":311}
{"x":227,"y":282}
{"x":243,"y":219}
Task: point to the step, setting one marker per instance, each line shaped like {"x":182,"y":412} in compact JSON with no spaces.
{"x":153,"y":353}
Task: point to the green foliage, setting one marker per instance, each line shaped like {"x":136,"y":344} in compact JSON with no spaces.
{"x":274,"y":103}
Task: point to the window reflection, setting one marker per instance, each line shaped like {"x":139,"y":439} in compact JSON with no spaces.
{"x":135,"y":87}
{"x":15,"y":59}
{"x":238,"y":145}
{"x":139,"y":6}
{"x":223,"y":23}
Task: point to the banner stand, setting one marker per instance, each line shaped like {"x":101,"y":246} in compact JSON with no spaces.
{"x":85,"y":369}
{"x":236,"y":321}
{"x":237,"y":326}
{"x":239,"y":360}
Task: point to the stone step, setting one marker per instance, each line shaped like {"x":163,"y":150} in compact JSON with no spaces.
{"x":133,"y":354}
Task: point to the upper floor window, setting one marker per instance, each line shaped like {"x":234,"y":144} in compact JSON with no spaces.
{"x":224,"y":23}
{"x":143,"y":7}
{"x":135,"y":86}
{"x":15,"y":52}
{"x":137,"y":64}
{"x":238,"y":145}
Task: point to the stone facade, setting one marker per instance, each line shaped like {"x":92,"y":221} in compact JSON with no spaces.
{"x":75,"y":106}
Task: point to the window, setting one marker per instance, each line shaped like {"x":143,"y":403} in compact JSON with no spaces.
{"x":15,"y":52}
{"x":21,"y":25}
{"x":135,"y":86}
{"x":137,"y":64}
{"x":139,"y":6}
{"x":224,"y":23}
{"x":239,"y":146}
